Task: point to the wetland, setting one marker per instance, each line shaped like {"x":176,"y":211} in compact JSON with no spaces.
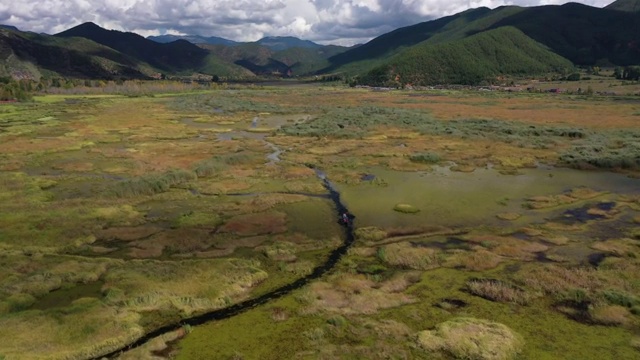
{"x":206,"y":225}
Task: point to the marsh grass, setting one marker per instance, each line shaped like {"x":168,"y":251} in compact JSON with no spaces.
{"x":152,"y":184}
{"x":351,"y":294}
{"x":405,"y":255}
{"x":469,"y":338}
{"x":425,"y":158}
{"x":496,"y":290}
{"x":610,"y":315}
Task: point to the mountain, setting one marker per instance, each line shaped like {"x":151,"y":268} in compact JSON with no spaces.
{"x":307,"y":61}
{"x":262,"y":60}
{"x":176,"y":56}
{"x":275,"y":43}
{"x":8,"y":27}
{"x":624,"y":5}
{"x":526,"y":40}
{"x":391,"y":43}
{"x":31,"y":56}
{"x":585,"y":35}
{"x":481,"y":57}
{"x":285,"y":42}
{"x":194,"y":39}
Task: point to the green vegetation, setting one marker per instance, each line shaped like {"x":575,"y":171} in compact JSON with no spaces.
{"x":133,"y":212}
{"x":406,"y":208}
{"x":479,"y":58}
{"x":152,"y":184}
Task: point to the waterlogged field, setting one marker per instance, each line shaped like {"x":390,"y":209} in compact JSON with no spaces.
{"x":488,"y":225}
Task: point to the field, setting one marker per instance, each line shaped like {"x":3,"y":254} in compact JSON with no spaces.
{"x":488,"y":225}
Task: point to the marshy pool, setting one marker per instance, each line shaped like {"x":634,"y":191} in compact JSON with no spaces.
{"x":450,"y":198}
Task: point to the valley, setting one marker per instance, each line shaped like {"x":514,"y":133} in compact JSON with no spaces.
{"x":490,"y":225}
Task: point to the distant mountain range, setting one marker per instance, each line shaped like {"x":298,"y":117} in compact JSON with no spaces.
{"x":194,"y":39}
{"x":473,"y":46}
{"x":275,"y":43}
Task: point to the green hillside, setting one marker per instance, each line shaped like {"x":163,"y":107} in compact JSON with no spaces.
{"x":480,"y":57}
{"x":386,"y":45}
{"x":306,"y":61}
{"x":583,"y":34}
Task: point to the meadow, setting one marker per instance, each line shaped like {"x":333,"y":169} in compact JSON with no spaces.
{"x":488,"y":225}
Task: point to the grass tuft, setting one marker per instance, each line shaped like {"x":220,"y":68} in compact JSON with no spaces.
{"x":496,"y":290}
{"x":469,"y":338}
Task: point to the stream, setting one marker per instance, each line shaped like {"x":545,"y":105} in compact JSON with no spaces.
{"x":238,"y":308}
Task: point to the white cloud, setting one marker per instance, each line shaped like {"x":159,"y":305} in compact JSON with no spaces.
{"x":326,"y":21}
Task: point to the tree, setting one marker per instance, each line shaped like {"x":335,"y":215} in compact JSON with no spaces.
{"x":631,"y":73}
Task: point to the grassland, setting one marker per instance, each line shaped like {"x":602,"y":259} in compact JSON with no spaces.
{"x":119,"y":215}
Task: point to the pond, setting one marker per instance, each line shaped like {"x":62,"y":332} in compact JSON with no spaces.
{"x":450,"y":198}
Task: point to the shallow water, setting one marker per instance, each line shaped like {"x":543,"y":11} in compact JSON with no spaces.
{"x":451,"y":198}
{"x":64,"y":297}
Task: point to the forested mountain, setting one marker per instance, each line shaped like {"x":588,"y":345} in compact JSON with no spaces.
{"x":582,"y":34}
{"x":172,"y":57}
{"x":472,"y":60}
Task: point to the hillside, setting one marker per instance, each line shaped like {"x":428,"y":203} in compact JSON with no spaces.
{"x":278,"y":43}
{"x":30,"y":56}
{"x":261,"y":60}
{"x":585,"y":35}
{"x":176,"y":56}
{"x":390,"y":43}
{"x":477,"y":58}
{"x":624,"y":5}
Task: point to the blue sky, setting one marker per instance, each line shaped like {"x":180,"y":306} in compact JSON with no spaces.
{"x":342,"y":22}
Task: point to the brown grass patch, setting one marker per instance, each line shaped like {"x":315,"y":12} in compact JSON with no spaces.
{"x":468,"y":338}
{"x":610,"y":315}
{"x":555,"y":239}
{"x":180,"y":241}
{"x":554,"y":279}
{"x":619,"y":247}
{"x":496,"y":290}
{"x":549,"y":201}
{"x":510,"y":216}
{"x":508,"y":246}
{"x":256,"y":224}
{"x":352,"y":294}
{"x":478,"y":260}
{"x":126,"y":233}
{"x":408,"y":256}
{"x":279,"y":314}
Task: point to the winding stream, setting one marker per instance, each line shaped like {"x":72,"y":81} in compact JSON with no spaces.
{"x":238,"y":308}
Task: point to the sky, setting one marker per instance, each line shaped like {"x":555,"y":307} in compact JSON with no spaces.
{"x":340,"y":22}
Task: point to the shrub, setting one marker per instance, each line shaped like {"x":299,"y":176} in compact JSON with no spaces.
{"x":619,"y":298}
{"x":207,"y":168}
{"x":425,"y":158}
{"x":337,"y":321}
